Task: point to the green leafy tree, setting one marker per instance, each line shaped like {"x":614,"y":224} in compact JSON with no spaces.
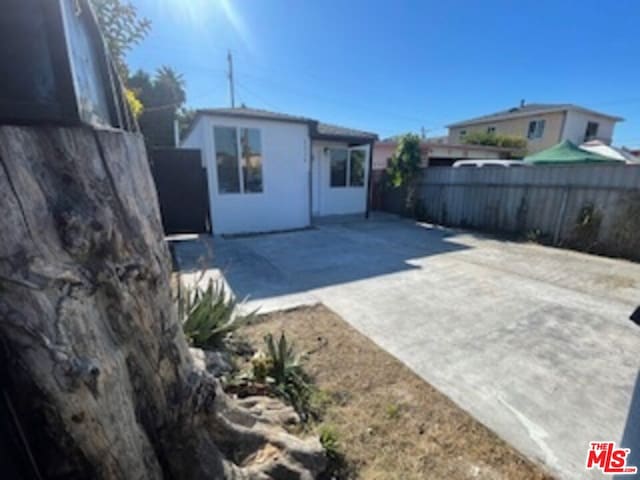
{"x":122,"y":29}
{"x":404,"y":168}
{"x":162,"y":96}
{"x":517,"y":145}
{"x":185,"y":119}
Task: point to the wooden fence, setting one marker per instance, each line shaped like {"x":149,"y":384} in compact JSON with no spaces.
{"x":591,"y":208}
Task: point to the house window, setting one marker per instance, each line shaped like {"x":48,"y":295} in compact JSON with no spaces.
{"x":462,"y":134}
{"x":251,"y":159}
{"x":226,"y":140}
{"x":339,"y":167}
{"x":591,"y":132}
{"x":356,"y":168}
{"x":536,"y":129}
{"x":491,"y":130}
{"x":238,"y":173}
{"x":347,"y":167}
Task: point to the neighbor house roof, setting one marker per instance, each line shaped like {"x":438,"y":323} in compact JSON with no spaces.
{"x":566,"y":153}
{"x":596,"y":146}
{"x":317,"y":129}
{"x":530,"y":109}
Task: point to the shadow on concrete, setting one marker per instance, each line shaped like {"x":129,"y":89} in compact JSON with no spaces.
{"x":631,"y":435}
{"x":276,"y":264}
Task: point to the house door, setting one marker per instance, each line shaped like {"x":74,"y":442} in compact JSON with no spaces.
{"x":342,"y":178}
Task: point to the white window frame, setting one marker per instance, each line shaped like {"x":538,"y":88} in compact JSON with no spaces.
{"x":346,"y":170}
{"x":239,"y":153}
{"x":347,"y":180}
{"x":588,"y":137}
{"x":538,"y":129}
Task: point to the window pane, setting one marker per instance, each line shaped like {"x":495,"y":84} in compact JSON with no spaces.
{"x":540,"y":130}
{"x":532,"y":129}
{"x":227,"y":159}
{"x":356,"y":175}
{"x":338,"y":167}
{"x":251,"y":159}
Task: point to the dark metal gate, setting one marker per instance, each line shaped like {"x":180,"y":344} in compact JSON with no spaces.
{"x":181,"y":182}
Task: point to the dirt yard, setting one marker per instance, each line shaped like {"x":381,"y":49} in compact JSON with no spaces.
{"x":390,"y":424}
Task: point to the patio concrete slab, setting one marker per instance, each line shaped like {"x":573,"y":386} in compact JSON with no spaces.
{"x":534,"y":342}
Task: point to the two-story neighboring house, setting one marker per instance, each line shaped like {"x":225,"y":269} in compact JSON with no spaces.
{"x":543,"y":125}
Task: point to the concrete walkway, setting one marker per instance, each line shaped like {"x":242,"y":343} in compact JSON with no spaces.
{"x":534,"y":342}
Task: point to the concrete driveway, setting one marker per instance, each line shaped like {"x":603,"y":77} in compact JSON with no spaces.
{"x":534,"y":342}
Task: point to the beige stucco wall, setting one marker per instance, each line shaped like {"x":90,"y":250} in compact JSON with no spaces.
{"x":519,"y":127}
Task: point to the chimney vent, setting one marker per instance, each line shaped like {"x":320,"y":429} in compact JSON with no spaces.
{"x":522,"y":103}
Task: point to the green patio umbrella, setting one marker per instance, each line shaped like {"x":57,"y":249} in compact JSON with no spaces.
{"x":566,"y":153}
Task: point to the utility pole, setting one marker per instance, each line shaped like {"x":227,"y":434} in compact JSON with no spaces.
{"x":230,"y":76}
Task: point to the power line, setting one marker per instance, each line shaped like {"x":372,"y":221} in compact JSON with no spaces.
{"x":307,"y":94}
{"x":258,"y":97}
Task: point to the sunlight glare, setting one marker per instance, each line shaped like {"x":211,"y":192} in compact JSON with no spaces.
{"x":202,"y":13}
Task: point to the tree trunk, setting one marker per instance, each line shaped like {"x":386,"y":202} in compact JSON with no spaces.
{"x":96,"y":373}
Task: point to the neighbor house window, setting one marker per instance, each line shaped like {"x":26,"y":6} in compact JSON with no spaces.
{"x":591,"y":132}
{"x":491,"y":130}
{"x":462,"y":134}
{"x":536,"y":129}
{"x":339,"y":167}
{"x":238,"y":159}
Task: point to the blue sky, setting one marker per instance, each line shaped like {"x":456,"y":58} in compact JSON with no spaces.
{"x":396,"y":66}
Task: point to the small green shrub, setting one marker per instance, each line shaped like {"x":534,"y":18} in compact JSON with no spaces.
{"x":533,"y":235}
{"x":329,"y":441}
{"x":518,"y":145}
{"x":393,"y":411}
{"x":338,"y":465}
{"x":282,"y":368}
{"x":584,"y":234}
{"x":625,"y":240}
{"x":209,"y":315}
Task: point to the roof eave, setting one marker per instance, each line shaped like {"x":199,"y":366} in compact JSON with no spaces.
{"x":345,"y":138}
{"x":213,"y":113}
{"x":508,"y":116}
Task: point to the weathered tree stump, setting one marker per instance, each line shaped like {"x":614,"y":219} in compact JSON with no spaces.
{"x":96,"y":365}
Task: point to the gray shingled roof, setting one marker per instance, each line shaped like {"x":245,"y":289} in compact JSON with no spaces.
{"x":328,"y":130}
{"x":529,"y":109}
{"x":255,"y":113}
{"x":318,"y":129}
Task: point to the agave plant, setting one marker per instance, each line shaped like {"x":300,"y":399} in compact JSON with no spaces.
{"x":209,"y":315}
{"x":286,"y":373}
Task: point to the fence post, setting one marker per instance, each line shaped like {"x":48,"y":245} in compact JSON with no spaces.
{"x":561,"y":215}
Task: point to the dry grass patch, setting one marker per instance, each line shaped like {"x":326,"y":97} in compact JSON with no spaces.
{"x":389,"y":424}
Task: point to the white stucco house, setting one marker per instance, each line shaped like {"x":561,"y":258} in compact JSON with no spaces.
{"x":269,"y":171}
